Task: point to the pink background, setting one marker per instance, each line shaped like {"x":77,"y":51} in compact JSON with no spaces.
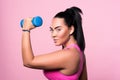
{"x":101,"y":24}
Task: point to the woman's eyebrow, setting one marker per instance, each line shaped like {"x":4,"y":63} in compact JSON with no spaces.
{"x":50,"y":27}
{"x":55,"y":27}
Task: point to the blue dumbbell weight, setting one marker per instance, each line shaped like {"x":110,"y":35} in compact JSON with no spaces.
{"x":36,"y":21}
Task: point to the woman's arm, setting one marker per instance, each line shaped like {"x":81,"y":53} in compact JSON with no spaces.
{"x":27,"y":53}
{"x":54,"y":60}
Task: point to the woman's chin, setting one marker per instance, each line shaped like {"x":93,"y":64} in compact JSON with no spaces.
{"x":56,"y":44}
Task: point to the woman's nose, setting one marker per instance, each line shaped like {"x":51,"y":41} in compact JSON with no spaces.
{"x":54,"y":34}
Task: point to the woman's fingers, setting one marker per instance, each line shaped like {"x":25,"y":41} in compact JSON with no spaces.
{"x":28,"y":24}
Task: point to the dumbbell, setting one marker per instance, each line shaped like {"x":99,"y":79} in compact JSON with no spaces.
{"x":36,"y":21}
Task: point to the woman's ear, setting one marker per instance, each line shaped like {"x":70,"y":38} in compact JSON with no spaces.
{"x":71,"y":30}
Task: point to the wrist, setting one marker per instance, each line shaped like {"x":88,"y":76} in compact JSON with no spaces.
{"x":26,"y":30}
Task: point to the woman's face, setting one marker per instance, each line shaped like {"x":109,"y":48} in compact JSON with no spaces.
{"x":59,"y":31}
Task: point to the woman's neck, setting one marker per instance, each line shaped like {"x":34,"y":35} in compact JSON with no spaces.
{"x":70,"y":41}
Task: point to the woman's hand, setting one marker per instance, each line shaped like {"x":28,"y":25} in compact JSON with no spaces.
{"x":28,"y":24}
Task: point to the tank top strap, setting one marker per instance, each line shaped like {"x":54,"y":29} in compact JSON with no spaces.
{"x":74,"y":45}
{"x":81,"y":62}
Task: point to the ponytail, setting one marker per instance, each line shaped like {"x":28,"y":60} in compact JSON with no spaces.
{"x":73,"y":18}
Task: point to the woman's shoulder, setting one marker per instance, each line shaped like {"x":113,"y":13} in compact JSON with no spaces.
{"x":72,"y":51}
{"x":73,"y":61}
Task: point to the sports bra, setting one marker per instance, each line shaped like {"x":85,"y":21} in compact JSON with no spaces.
{"x":57,"y":75}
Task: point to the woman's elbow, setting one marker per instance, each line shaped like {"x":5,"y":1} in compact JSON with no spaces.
{"x":31,"y":64}
{"x":27,"y":64}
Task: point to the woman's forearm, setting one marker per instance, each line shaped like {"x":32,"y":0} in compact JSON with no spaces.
{"x":27,"y":53}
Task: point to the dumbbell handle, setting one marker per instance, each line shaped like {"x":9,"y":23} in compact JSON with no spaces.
{"x":36,"y":21}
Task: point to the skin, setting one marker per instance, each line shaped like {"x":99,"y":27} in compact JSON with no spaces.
{"x":66,"y":60}
{"x":83,"y":75}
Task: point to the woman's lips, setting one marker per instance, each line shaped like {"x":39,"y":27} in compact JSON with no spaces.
{"x":55,"y":40}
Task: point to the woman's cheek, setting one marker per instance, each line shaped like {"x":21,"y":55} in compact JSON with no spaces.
{"x":63,"y":36}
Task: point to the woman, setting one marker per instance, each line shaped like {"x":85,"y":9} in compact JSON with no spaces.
{"x":68,"y":63}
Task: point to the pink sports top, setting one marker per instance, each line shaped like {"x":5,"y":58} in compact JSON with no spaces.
{"x":56,"y":75}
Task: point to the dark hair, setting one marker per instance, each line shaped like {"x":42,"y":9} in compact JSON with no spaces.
{"x":72,"y":17}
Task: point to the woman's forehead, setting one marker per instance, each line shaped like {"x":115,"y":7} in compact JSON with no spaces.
{"x":57,"y":22}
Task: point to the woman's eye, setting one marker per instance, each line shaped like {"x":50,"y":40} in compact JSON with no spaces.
{"x":51,"y":30}
{"x":58,"y":29}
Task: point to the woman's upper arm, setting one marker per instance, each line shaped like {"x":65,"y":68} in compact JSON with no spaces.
{"x":54,"y":60}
